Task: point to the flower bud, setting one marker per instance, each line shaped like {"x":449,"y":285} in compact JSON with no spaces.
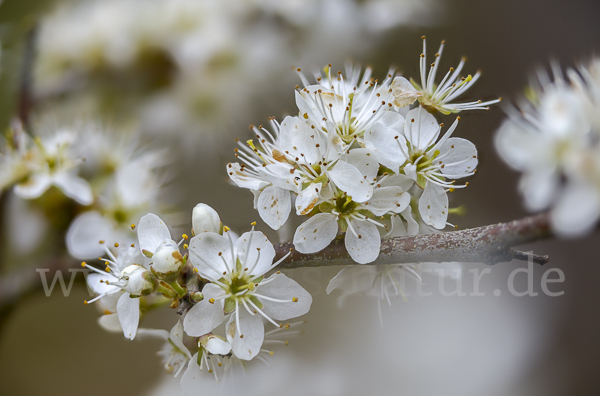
{"x":205,"y":219}
{"x":167,"y":260}
{"x":214,"y":344}
{"x":139,"y":280}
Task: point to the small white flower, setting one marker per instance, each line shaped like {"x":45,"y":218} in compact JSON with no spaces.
{"x":302,"y":160}
{"x":434,"y":96}
{"x":133,"y":190}
{"x":434,"y":164}
{"x":239,"y":288}
{"x":347,"y":105}
{"x":50,"y":162}
{"x":359,"y":220}
{"x":553,"y":141}
{"x":127,"y":276}
{"x":156,"y":243}
{"x":175,"y":354}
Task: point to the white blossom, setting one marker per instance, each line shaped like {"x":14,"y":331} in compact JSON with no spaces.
{"x":553,"y":141}
{"x":437,"y":96}
{"x":349,"y":105}
{"x":156,"y":243}
{"x":239,"y":289}
{"x":45,"y":161}
{"x":434,"y":164}
{"x":127,"y":275}
{"x":359,"y":220}
{"x":175,"y":355}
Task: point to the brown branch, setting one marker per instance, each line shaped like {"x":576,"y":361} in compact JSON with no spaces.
{"x":489,"y":244}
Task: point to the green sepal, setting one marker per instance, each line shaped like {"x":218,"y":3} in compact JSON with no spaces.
{"x":238,"y":266}
{"x":343,"y":225}
{"x":326,"y":207}
{"x":229,"y":306}
{"x":256,"y":302}
{"x":421,"y":180}
{"x":258,"y":280}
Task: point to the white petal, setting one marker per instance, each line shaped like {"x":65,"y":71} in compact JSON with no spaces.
{"x":308,"y":199}
{"x":205,"y":316}
{"x":539,"y":187}
{"x":433,"y":206}
{"x":576,"y":211}
{"x":86,"y":232}
{"x":98,"y":284}
{"x":191,"y":380}
{"x":283,"y":288}
{"x":349,"y":179}
{"x":316,"y":233}
{"x":152,"y":232}
{"x":176,"y":337}
{"x":459,"y":157}
{"x":248,"y":247}
{"x":217,"y":346}
{"x":518,"y":147}
{"x":33,"y":187}
{"x":204,"y":254}
{"x":421,"y":128}
{"x":392,"y":120}
{"x":243,"y":179}
{"x":353,"y":279}
{"x":402,"y":181}
{"x":364,"y":246}
{"x":300,"y":140}
{"x":274,"y":206}
{"x":404,"y":92}
{"x":385,"y":142}
{"x":397,"y":227}
{"x":74,"y":187}
{"x":110,"y":323}
{"x":388,"y":199}
{"x":365,"y":161}
{"x":282,"y":175}
{"x":128,"y":311}
{"x":412,"y":226}
{"x":158,"y":333}
{"x":252,"y":329}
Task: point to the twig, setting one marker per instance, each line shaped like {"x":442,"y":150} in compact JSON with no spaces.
{"x":490,"y":245}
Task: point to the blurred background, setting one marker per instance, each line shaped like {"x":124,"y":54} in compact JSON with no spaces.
{"x":192,"y":76}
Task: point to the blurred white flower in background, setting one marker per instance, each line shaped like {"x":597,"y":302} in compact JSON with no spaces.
{"x":555,"y":141}
{"x":186,"y":63}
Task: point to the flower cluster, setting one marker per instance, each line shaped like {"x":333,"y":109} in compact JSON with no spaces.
{"x":358,"y":161}
{"x":87,"y":180}
{"x":554,"y":141}
{"x":222,"y":279}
